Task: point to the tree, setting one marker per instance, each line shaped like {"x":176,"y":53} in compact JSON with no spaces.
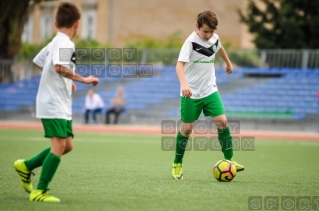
{"x":284,"y":24}
{"x":13,"y":15}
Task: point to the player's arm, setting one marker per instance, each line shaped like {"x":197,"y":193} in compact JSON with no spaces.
{"x":222,"y":53}
{"x":40,"y":68}
{"x":75,"y":77}
{"x":73,"y":87}
{"x":186,"y":91}
{"x":39,"y":59}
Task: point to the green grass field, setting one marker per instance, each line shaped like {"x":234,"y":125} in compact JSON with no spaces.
{"x":131,"y":172}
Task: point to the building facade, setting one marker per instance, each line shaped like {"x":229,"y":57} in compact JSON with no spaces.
{"x":117,"y":21}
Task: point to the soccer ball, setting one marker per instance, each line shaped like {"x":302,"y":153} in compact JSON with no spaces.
{"x":224,"y":171}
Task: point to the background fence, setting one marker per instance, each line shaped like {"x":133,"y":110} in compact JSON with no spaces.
{"x":22,"y":68}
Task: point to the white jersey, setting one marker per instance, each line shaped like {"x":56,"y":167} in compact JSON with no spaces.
{"x":54,"y":98}
{"x":199,"y":56}
{"x":94,"y":102}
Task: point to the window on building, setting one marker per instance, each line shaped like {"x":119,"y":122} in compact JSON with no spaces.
{"x":89,"y":24}
{"x":46,"y":27}
{"x":27,"y":35}
{"x":90,"y":27}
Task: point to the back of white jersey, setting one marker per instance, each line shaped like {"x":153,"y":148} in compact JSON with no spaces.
{"x":199,"y":56}
{"x":54,"y":98}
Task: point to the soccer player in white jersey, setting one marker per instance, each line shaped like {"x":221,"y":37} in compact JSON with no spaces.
{"x":196,"y":74}
{"x":54,"y":102}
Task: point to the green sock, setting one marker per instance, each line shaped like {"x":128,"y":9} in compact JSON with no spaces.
{"x":49,"y":167}
{"x":225,"y":140}
{"x":37,"y":160}
{"x":181,"y":143}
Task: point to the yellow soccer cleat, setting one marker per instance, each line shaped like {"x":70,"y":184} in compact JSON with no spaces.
{"x":177,"y":171}
{"x":42,"y":196}
{"x":238,"y":166}
{"x":25,"y":175}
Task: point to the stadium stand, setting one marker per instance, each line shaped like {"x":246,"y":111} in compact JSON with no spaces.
{"x":276,"y":94}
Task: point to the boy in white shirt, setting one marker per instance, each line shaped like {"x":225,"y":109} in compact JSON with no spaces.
{"x":54,"y":102}
{"x":196,"y":73}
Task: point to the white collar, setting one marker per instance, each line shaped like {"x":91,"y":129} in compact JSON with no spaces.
{"x":63,"y":35}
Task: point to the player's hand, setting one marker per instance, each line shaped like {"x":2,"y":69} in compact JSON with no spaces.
{"x":73,"y":87}
{"x":92,"y":80}
{"x":229,"y":69}
{"x":186,"y":91}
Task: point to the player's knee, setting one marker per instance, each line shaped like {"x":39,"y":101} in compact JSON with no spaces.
{"x":186,"y":129}
{"x":185,"y":134}
{"x":221,"y":124}
{"x":59,"y":148}
{"x":68,"y":149}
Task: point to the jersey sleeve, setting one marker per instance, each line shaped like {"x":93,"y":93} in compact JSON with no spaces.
{"x":219,"y":43}
{"x":64,"y":55}
{"x":185,"y":52}
{"x":39,"y":59}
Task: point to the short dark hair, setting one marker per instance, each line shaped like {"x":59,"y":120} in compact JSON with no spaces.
{"x":67,"y":15}
{"x":209,"y":18}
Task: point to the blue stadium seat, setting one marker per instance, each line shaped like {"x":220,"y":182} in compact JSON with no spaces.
{"x":295,"y":91}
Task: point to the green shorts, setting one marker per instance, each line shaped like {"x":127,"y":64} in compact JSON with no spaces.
{"x":57,"y":128}
{"x":211,"y":105}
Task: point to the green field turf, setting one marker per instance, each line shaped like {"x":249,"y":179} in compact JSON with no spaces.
{"x":131,"y":172}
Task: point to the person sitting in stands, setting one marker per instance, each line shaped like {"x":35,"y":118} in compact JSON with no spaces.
{"x":118,"y":106}
{"x":94,"y":104}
